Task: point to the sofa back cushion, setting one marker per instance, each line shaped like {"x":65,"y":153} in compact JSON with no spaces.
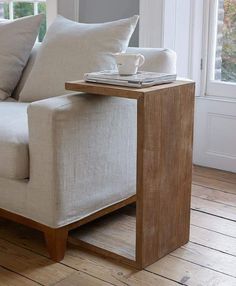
{"x":17,"y":39}
{"x":26,"y":71}
{"x":71,"y":49}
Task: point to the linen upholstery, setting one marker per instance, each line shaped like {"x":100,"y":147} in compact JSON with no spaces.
{"x":14,"y":157}
{"x":84,"y":148}
{"x":10,"y":99}
{"x":17,"y":39}
{"x":71,"y":49}
{"x":81,"y":153}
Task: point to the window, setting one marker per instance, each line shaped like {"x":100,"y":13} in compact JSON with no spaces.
{"x":10,"y":9}
{"x":221,"y":73}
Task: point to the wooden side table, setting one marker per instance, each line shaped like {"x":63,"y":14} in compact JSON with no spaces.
{"x":164,"y":164}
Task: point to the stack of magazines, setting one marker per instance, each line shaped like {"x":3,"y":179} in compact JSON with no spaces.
{"x":139,"y":80}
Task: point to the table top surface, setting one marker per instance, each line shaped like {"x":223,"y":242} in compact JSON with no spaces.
{"x":120,"y":91}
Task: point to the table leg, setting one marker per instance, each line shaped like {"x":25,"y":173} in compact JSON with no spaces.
{"x":164,"y":172}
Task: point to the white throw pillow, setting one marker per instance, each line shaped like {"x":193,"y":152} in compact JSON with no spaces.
{"x":71,"y":49}
{"x":16,"y":41}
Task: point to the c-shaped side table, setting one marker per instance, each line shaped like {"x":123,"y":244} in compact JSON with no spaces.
{"x":164,"y":165}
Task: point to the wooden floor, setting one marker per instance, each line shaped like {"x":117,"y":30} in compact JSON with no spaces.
{"x":209,"y":259}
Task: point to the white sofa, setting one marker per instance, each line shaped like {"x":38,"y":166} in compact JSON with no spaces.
{"x":66,"y":158}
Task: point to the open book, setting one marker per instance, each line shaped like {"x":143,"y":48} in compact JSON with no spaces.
{"x":139,"y":80}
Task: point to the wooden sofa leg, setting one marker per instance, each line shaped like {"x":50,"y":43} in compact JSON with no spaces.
{"x":56,"y":241}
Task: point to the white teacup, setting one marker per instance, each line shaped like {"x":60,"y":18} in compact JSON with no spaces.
{"x":128,"y":64}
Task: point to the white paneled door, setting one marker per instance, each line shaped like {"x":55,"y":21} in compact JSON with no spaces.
{"x":215,"y":133}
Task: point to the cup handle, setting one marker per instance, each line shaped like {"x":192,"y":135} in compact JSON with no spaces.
{"x":142,"y":60}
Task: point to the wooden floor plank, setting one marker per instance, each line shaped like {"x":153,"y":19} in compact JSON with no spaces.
{"x":190,"y":274}
{"x":23,"y":236}
{"x":114,"y":233}
{"x":218,"y":175}
{"x":38,"y":268}
{"x":207,"y":258}
{"x":31,"y":265}
{"x":115,"y":273}
{"x":81,"y":279}
{"x":214,"y":195}
{"x":214,"y":208}
{"x":94,"y":265}
{"x":214,"y":184}
{"x":84,"y":262}
{"x":104,"y":234}
{"x":213,"y":240}
{"x":9,"y":278}
{"x":213,"y":223}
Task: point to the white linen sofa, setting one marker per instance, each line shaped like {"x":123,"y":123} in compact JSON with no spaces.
{"x":68,"y":159}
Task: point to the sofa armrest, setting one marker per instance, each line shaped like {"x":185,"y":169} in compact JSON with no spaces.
{"x":82,"y":154}
{"x":157,"y":59}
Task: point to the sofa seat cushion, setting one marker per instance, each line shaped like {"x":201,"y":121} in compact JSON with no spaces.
{"x":14,"y":144}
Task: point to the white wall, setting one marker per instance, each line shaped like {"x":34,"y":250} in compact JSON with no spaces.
{"x":68,"y":9}
{"x":98,"y":11}
{"x":151,"y":23}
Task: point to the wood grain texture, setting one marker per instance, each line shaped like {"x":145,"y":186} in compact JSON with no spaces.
{"x":214,"y":240}
{"x":20,"y":219}
{"x":56,"y":241}
{"x":86,"y":262}
{"x":214,"y":195}
{"x":35,"y":269}
{"x":212,"y":183}
{"x":81,"y":279}
{"x":31,"y":265}
{"x":206,"y":257}
{"x":119,"y":91}
{"x":114,"y":233}
{"x":9,"y":278}
{"x":217,"y":175}
{"x":111,"y":271}
{"x":211,"y":222}
{"x":165,"y":134}
{"x":164,"y":164}
{"x":189,"y":274}
{"x":214,"y":208}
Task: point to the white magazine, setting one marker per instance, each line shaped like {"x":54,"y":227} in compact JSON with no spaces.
{"x":141,"y":79}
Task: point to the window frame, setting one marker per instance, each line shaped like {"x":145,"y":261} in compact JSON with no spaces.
{"x":214,"y":87}
{"x":51,"y":11}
